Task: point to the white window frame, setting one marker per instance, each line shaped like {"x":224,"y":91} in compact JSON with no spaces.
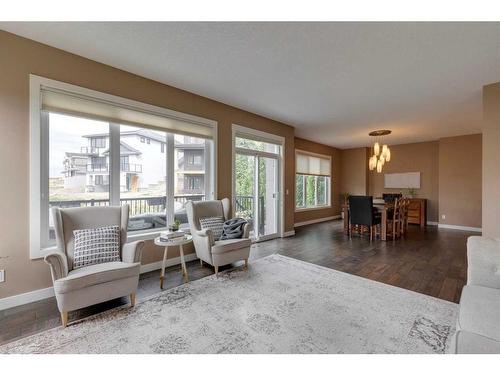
{"x":242,"y":131}
{"x":304,"y":187}
{"x":39,"y":167}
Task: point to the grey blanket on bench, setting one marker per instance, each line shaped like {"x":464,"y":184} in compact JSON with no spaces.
{"x":233,"y":228}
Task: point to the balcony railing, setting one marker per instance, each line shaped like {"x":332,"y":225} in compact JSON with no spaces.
{"x":155,"y":204}
{"x":89,"y":150}
{"x":245,"y":208}
{"x":127,"y":167}
{"x":149,"y":212}
{"x":137,"y":205}
{"x":124,"y":167}
{"x":97,"y":167}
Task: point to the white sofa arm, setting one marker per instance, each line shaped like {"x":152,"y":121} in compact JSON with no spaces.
{"x":483,"y":256}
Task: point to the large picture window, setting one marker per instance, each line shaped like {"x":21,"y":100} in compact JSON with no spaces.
{"x":312,"y":181}
{"x":87,"y":158}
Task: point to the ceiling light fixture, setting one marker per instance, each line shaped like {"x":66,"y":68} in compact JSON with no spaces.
{"x":380,"y":155}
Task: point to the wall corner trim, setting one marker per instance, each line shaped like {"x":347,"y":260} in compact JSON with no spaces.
{"x":460,"y":227}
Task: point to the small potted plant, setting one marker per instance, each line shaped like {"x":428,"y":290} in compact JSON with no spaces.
{"x":175,"y":226}
{"x":412,"y":192}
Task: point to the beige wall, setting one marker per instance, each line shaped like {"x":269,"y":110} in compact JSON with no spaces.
{"x":18,"y":59}
{"x":305,"y":145}
{"x":415,"y":157}
{"x":460,"y":173}
{"x":450,"y":176}
{"x":354,"y":171}
{"x":491,"y":160}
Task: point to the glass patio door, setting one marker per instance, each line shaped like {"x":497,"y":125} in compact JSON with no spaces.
{"x":245,"y":187}
{"x":256,"y":173}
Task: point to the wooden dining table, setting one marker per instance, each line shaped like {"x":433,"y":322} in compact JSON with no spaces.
{"x":383,"y":208}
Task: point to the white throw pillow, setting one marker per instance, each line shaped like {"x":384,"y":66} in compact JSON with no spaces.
{"x":215,"y":224}
{"x":99,"y":245}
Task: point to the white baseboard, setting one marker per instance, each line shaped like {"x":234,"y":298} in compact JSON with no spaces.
{"x":316,"y":221}
{"x":24,"y":298}
{"x":288,"y":234}
{"x":460,"y":227}
{"x":39,"y":294}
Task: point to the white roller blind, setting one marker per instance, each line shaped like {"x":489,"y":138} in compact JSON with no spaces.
{"x":312,"y":164}
{"x":73,"y":104}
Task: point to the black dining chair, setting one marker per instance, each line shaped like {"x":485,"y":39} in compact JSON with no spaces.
{"x":363,"y":214}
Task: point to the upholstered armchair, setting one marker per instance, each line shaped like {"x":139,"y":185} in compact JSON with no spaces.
{"x":216,"y":253}
{"x":85,"y":286}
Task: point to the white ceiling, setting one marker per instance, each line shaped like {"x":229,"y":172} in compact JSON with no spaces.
{"x":334,"y":82}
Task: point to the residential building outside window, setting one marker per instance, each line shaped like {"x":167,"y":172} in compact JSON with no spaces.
{"x":312,"y":181}
{"x":98,"y":142}
{"x":143,"y":170}
{"x":89,"y":162}
{"x":190,"y":168}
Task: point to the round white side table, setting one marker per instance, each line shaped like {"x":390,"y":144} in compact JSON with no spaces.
{"x":172,"y":243}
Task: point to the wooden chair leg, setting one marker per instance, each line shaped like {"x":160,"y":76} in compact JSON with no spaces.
{"x":216,"y":271}
{"x":64,"y":319}
{"x":132,"y":299}
{"x":371,"y":233}
{"x":201,"y":262}
{"x":246,"y":263}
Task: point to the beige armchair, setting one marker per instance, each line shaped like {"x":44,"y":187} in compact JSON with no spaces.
{"x":216,"y":253}
{"x":81,"y":287}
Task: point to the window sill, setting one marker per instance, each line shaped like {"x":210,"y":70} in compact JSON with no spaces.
{"x":312,"y":208}
{"x":143,"y":236}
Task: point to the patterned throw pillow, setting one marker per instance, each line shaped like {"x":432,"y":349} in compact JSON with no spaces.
{"x":99,"y":245}
{"x":213,"y":223}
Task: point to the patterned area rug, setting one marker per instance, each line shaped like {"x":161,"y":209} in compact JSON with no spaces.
{"x":280,"y":305}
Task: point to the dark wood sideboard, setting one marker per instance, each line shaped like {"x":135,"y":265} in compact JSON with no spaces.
{"x":417,"y":211}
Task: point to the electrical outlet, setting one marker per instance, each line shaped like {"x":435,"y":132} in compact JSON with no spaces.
{"x":2,"y":276}
{"x":443,"y":217}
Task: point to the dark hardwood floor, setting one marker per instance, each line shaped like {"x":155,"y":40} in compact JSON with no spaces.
{"x":432,"y":262}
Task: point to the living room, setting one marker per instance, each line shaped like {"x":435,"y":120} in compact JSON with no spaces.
{"x":166,"y":203}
